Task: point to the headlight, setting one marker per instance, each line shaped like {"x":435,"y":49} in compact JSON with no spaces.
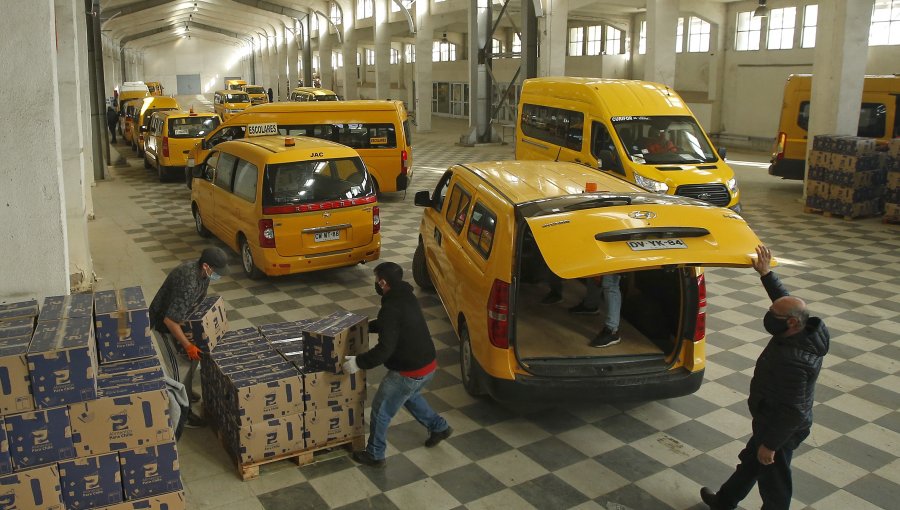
{"x":650,"y":184}
{"x":732,"y":186}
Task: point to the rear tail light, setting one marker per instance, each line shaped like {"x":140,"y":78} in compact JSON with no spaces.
{"x":165,"y":147}
{"x":700,"y":322}
{"x":266,"y":234}
{"x":404,"y":162}
{"x":376,"y":220}
{"x":498,"y":315}
{"x":780,"y":142}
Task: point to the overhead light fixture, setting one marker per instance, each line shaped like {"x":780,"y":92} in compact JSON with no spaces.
{"x":195,"y":7}
{"x":762,"y":11}
{"x":444,"y":38}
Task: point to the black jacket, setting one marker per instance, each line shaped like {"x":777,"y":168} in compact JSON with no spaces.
{"x":404,"y":342}
{"x":784,"y":381}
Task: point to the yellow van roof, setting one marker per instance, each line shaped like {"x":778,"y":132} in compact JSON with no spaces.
{"x":182,"y":113}
{"x":330,"y":106}
{"x":315,"y":91}
{"x":159,"y":102}
{"x":618,"y":97}
{"x":276,"y":151}
{"x":871,"y":83}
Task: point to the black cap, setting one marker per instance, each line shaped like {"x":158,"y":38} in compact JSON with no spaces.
{"x":216,"y":259}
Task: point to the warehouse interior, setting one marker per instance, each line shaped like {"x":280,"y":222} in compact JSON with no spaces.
{"x":83,"y":215}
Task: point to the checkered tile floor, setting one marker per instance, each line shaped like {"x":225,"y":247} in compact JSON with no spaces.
{"x":639,"y":456}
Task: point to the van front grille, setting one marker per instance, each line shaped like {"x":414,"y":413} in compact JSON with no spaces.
{"x":715,"y":194}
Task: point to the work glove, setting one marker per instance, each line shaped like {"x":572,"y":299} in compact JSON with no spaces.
{"x":350,"y":366}
{"x":193,"y":352}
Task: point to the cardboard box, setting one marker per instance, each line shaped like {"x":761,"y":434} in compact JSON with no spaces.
{"x":248,"y":401}
{"x":130,"y":388}
{"x":62,"y":362}
{"x":150,"y":471}
{"x":73,"y":306}
{"x":35,"y":489}
{"x":817,"y":188}
{"x":856,"y":209}
{"x":116,"y":423}
{"x":340,"y":334}
{"x":122,"y":325}
{"x":207,"y":324}
{"x":17,"y":327}
{"x":286,"y":327}
{"x":168,"y":501}
{"x":19,"y":310}
{"x":322,"y":389}
{"x":893,"y":180}
{"x":15,"y":381}
{"x":234,"y":364}
{"x":892,"y":211}
{"x":270,"y":438}
{"x":6,"y":466}
{"x":335,"y":423}
{"x":39,"y":437}
{"x":91,"y":482}
{"x":128,"y":366}
{"x":145,"y":380}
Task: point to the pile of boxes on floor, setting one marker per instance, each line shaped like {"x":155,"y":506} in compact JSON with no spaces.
{"x":279,"y":389}
{"x":848,"y":177}
{"x":892,"y":193}
{"x":85,"y":411}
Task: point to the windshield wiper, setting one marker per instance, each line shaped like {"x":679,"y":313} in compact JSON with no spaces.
{"x":607,"y":201}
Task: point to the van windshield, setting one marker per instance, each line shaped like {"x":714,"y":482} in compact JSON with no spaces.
{"x":325,"y":97}
{"x":356,"y":135}
{"x":192,"y":127}
{"x":301,"y":182}
{"x":254,"y":90}
{"x":237,"y":98}
{"x":663,"y":139}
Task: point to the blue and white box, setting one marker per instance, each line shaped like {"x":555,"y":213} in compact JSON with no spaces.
{"x":122,"y":325}
{"x":62,"y":362}
{"x":149,"y":471}
{"x":39,"y":437}
{"x":67,"y":307}
{"x":91,"y":482}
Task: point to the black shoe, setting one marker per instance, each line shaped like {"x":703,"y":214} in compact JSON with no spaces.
{"x":552,"y":298}
{"x":711,"y":499}
{"x":194,"y":421}
{"x":606,"y":338}
{"x":194,"y":398}
{"x":580,"y":309}
{"x":437,"y":437}
{"x":366,"y":458}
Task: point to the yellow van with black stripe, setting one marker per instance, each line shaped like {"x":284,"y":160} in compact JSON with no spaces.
{"x":170,"y":137}
{"x":288,"y":205}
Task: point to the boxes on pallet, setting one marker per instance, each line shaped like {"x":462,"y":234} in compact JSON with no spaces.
{"x":115,"y":423}
{"x":149,"y":471}
{"x":841,"y":144}
{"x":269,"y":438}
{"x":62,"y":362}
{"x":133,"y":366}
{"x":127,"y":384}
{"x":337,"y":421}
{"x":321,"y":389}
{"x":894,"y":148}
{"x":860,"y":179}
{"x":122,"y":325}
{"x":19,"y":310}
{"x":207,"y":324}
{"x":293,"y":352}
{"x":817,"y":188}
{"x":892,"y":211}
{"x":91,"y":481}
{"x":328,"y":340}
{"x":249,"y":400}
{"x":35,"y":489}
{"x":15,"y":381}
{"x":856,"y":209}
{"x":17,"y":327}
{"x":168,"y":501}
{"x":6,"y":466}
{"x":67,"y":307}
{"x":893,"y":180}
{"x":39,"y":437}
{"x":851,"y":194}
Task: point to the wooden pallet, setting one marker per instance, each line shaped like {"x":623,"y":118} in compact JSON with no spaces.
{"x":250,"y":470}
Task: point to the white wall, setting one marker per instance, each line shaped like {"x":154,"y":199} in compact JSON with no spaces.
{"x":212,"y":60}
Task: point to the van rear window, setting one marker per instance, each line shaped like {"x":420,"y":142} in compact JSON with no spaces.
{"x":356,"y":135}
{"x":254,"y":90}
{"x":192,"y":127}
{"x":303,"y":182}
{"x":553,"y":125}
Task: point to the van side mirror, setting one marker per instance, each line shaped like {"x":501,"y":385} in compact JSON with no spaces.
{"x":197,"y":171}
{"x":608,"y":160}
{"x":722,"y":152}
{"x":423,"y":199}
{"x":204,"y":144}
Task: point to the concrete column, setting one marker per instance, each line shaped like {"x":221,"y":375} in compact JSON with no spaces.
{"x":553,"y":43}
{"x":282,"y":92}
{"x":326,"y":67}
{"x":423,"y":80}
{"x":72,"y":140}
{"x":84,"y":91}
{"x":529,"y":40}
{"x":272,"y":52}
{"x":839,"y":67}
{"x":292,"y":57}
{"x":349,"y":50}
{"x":33,"y":242}
{"x":659,"y":62}
{"x":382,"y":50}
{"x":307,"y":53}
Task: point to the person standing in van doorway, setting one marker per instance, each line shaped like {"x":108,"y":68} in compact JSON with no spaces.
{"x":781,"y":398}
{"x":407,"y":351}
{"x":608,"y":288}
{"x":112,"y":119}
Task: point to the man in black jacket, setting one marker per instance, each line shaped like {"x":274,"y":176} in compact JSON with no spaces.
{"x":406,"y":350}
{"x":781,"y":398}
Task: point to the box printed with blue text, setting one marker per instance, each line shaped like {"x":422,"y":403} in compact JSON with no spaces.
{"x":122,"y":325}
{"x":62,"y":362}
{"x":35,"y":489}
{"x":168,"y":501}
{"x":150,"y":471}
{"x":73,"y":306}
{"x":207,"y":324}
{"x":328,"y":340}
{"x":91,"y":481}
{"x":15,"y":381}
{"x":116,"y":423}
{"x":19,"y":310}
{"x":39,"y":437}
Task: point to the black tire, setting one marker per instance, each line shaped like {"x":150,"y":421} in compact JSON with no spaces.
{"x":469,"y":370}
{"x":202,"y":231}
{"x":163,"y":172}
{"x":420,"y":269}
{"x":247,"y":262}
{"x":188,"y":180}
{"x":148,"y":166}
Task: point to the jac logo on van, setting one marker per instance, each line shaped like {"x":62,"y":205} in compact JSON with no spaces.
{"x":317,"y":155}
{"x":642,"y":215}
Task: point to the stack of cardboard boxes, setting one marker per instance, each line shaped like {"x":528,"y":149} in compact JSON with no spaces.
{"x":892,"y":192}
{"x":85,"y":411}
{"x":845,"y":176}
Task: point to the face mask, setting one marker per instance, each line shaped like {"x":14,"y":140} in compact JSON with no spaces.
{"x":214,"y":276}
{"x":378,"y":289}
{"x":774,"y":325}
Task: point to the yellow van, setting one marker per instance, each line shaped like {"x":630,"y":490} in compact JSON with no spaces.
{"x":128,"y":91}
{"x":155,"y":87}
{"x":226,"y":103}
{"x":494,"y":234}
{"x":639,"y":131}
{"x":379,"y":131}
{"x":257,"y":94}
{"x":235,"y":84}
{"x":878,"y":118}
{"x":171,"y":136}
{"x":288,"y":205}
{"x":313,"y":94}
{"x":129,"y":108}
{"x":142,"y":121}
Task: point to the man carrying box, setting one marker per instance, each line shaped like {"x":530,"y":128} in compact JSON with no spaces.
{"x":183,"y":290}
{"x":407,"y":351}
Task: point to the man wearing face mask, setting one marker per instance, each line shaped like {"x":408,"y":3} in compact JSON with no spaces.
{"x":407,"y":351}
{"x":781,"y":398}
{"x":184,"y":289}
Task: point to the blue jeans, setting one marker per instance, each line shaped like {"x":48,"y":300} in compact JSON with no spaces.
{"x":609,"y":288}
{"x":394,"y":391}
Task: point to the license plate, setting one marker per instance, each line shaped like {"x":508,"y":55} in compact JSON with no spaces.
{"x":331,"y":235}
{"x":656,"y":244}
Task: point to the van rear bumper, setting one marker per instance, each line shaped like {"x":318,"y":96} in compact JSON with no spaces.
{"x":672,"y":383}
{"x":273,"y":264}
{"x":788,"y":168}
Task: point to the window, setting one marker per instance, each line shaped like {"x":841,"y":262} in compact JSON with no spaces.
{"x":642,"y":41}
{"x":808,"y":35}
{"x":517,"y":44}
{"x":410,"y":51}
{"x":396,"y":8}
{"x":225,"y":171}
{"x":442,"y":51}
{"x":748,"y":31}
{"x":365,"y":9}
{"x":191,"y":127}
{"x":613,"y":41}
{"x":553,"y":125}
{"x":210,"y":168}
{"x":679,"y":36}
{"x":334,"y":12}
{"x":357,"y":135}
{"x":303,"y":182}
{"x":315,"y":63}
{"x":458,"y":208}
{"x":370,"y":56}
{"x":245,"y":180}
{"x":576,"y":41}
{"x":395,"y":56}
{"x":698,"y":35}
{"x":496,"y":46}
{"x":337,"y":59}
{"x":885,"y":27}
{"x":440,"y":191}
{"x":781,"y":28}
{"x":663,"y":140}
{"x":601,"y":142}
{"x":358,"y":59}
{"x":595,"y":40}
{"x":314,"y":22}
{"x":481,"y":229}
{"x":872,"y":119}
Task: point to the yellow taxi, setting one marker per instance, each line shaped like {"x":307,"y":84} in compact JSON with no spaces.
{"x":495,"y":237}
{"x":288,"y":205}
{"x":155,"y":87}
{"x":313,"y":94}
{"x":257,"y":94}
{"x":171,"y":135}
{"x":142,"y":119}
{"x":227,"y":103}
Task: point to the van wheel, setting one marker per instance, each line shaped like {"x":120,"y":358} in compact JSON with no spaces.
{"x":198,"y":223}
{"x":420,"y":269}
{"x":247,"y":263}
{"x":471,"y":372}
